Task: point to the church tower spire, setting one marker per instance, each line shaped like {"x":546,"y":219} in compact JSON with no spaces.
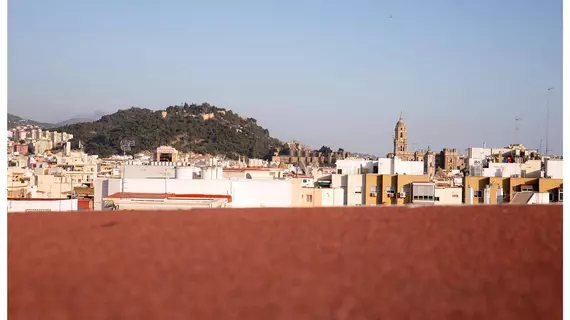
{"x":401,"y":139}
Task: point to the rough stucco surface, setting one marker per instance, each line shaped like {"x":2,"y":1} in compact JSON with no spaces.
{"x":482,"y":262}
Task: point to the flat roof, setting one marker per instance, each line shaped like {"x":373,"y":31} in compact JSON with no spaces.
{"x":175,"y":196}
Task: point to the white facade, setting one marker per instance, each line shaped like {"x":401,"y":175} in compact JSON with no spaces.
{"x":398,"y":166}
{"x":553,"y":168}
{"x":332,"y":197}
{"x":148,"y":172}
{"x":385,"y":166}
{"x":353,"y":166}
{"x":408,"y":167}
{"x":245,"y":193}
{"x":355,"y":189}
{"x":504,"y":170}
{"x":482,"y":153}
{"x":448,"y":196}
{"x":531,"y":169}
{"x":261,"y":193}
{"x":42,"y":205}
{"x":540,"y":198}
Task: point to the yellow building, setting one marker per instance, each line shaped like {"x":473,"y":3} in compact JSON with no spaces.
{"x":509,"y":187}
{"x":390,"y":188}
{"x":315,"y":197}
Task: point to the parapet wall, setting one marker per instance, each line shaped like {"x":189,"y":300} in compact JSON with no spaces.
{"x":464,"y":262}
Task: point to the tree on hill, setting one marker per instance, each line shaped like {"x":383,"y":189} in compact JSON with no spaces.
{"x":183,"y":128}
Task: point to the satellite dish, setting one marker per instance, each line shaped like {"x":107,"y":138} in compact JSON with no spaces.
{"x":126,"y":145}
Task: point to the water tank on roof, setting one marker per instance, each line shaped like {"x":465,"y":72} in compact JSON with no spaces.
{"x":184,"y":173}
{"x":206,"y":173}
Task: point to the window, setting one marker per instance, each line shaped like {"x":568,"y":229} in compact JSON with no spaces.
{"x":373,"y":191}
{"x":454,"y":196}
{"x":401,"y":134}
{"x":339,"y":171}
{"x":477,"y":194}
{"x":560,"y":196}
{"x":358,"y":190}
{"x":309,"y":198}
{"x":424,"y":198}
{"x":437,"y":198}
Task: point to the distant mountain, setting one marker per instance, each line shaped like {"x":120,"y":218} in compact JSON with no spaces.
{"x":96,"y":115}
{"x":200,"y":128}
{"x":14,"y":121}
{"x":73,"y":121}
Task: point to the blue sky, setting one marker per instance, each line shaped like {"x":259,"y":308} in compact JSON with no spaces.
{"x":323,"y":72}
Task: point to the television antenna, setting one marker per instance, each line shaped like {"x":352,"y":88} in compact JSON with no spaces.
{"x":517,"y":119}
{"x":126,"y":145}
{"x":547,"y":100}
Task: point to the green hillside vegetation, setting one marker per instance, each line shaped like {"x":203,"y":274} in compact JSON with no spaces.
{"x":14,"y":121}
{"x":183,"y":128}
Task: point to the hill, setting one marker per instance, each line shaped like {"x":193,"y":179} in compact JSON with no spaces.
{"x":198,"y":128}
{"x":73,"y":121}
{"x":14,"y":121}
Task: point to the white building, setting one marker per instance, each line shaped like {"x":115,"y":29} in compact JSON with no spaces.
{"x":353,"y":186}
{"x":30,"y":205}
{"x":427,"y":193}
{"x":396,"y":165}
{"x":529,"y":169}
{"x":553,"y":168}
{"x":448,"y":196}
{"x":355,"y":166}
{"x":244,"y":192}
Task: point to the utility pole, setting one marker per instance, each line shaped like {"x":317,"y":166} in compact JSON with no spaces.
{"x":165,"y":181}
{"x":546,"y":151}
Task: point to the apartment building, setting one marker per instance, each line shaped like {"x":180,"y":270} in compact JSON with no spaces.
{"x":497,"y":190}
{"x":315,"y":196}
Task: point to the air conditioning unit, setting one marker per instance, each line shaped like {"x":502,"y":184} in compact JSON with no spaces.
{"x":402,"y":194}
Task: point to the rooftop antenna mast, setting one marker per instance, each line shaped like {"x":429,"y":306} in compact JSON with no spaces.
{"x":547,"y":120}
{"x":517,"y":119}
{"x":125,"y":146}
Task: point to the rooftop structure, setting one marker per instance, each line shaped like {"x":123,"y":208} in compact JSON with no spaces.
{"x":164,"y":201}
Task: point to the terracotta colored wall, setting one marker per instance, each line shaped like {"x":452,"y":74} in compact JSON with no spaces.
{"x":467,"y":262}
{"x":85,"y":204}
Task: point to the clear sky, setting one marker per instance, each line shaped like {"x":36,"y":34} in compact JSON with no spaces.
{"x":319,"y":71}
